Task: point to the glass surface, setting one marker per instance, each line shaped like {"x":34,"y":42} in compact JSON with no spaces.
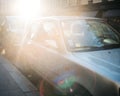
{"x":85,"y":34}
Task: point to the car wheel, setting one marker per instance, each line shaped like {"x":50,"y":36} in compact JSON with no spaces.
{"x":76,"y":90}
{"x":46,"y":89}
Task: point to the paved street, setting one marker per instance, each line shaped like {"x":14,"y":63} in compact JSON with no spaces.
{"x":13,"y":83}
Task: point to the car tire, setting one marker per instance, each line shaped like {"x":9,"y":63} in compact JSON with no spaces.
{"x":48,"y":90}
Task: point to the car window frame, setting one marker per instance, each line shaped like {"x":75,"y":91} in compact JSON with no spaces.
{"x":42,"y":22}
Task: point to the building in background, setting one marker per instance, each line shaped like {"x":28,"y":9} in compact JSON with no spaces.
{"x":67,"y":7}
{"x":109,"y":9}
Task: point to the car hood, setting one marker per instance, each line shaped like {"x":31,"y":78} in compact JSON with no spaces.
{"x":104,"y":62}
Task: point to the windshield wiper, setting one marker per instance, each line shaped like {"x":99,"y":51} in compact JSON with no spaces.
{"x":85,"y":48}
{"x":95,"y":46}
{"x":92,"y":48}
{"x":111,"y":46}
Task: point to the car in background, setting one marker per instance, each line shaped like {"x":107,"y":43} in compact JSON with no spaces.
{"x":75,"y":56}
{"x":12,"y":30}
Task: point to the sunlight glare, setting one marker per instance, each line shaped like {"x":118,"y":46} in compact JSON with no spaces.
{"x":28,"y":8}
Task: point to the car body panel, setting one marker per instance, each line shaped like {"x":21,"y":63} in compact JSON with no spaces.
{"x":50,"y":65}
{"x":104,"y":62}
{"x":92,"y":69}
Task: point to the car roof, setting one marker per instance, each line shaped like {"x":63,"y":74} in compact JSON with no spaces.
{"x":69,"y":18}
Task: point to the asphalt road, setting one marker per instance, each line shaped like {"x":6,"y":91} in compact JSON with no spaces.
{"x":13,"y":82}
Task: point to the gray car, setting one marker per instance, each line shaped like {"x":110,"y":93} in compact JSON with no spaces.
{"x":78,"y":56}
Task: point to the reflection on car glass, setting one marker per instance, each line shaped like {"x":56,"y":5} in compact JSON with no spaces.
{"x":89,"y":33}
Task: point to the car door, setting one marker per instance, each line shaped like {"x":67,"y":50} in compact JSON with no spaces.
{"x":42,"y":54}
{"x":43,"y":47}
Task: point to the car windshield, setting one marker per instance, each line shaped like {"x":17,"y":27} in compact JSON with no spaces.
{"x":85,"y":34}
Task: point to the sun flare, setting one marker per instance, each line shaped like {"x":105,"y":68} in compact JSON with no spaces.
{"x":28,"y":8}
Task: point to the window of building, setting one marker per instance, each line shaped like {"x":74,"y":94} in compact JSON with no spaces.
{"x":97,"y":1}
{"x":84,"y":2}
{"x":73,"y":2}
{"x":64,"y":3}
{"x":110,"y":0}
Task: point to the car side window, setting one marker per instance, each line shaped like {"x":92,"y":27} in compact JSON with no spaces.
{"x":44,"y":33}
{"x":50,"y":29}
{"x":35,"y":31}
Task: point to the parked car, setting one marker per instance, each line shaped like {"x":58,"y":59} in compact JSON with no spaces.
{"x":12,"y":32}
{"x":77,"y":56}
